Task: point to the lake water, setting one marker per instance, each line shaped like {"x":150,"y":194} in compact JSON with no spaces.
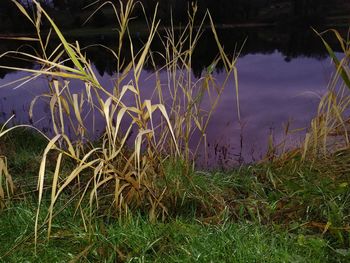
{"x":275,"y":88}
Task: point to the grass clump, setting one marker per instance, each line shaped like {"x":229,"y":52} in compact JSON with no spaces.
{"x":110,"y":174}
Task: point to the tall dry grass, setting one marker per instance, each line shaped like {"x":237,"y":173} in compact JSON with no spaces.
{"x":111,"y":172}
{"x":329,"y":130}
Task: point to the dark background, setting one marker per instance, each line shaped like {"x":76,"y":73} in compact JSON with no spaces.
{"x":266,"y":25}
{"x":72,"y":13}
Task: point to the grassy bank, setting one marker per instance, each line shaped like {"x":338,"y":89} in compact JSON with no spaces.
{"x":272,"y":212}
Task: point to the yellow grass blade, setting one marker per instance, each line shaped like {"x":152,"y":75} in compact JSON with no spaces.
{"x":163,"y":111}
{"x":20,"y":38}
{"x":41,"y":178}
{"x":77,"y":109}
{"x":138,"y":143}
{"x":67,"y":47}
{"x":23,"y":10}
{"x":46,"y":72}
{"x":53,"y":191}
{"x":6,"y":179}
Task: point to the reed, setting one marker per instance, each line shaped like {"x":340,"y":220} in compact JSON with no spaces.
{"x":329,"y":130}
{"x":111,"y":173}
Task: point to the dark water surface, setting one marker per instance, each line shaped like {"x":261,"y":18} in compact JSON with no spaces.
{"x":280,"y":81}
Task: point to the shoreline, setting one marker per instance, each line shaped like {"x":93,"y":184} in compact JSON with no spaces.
{"x":136,"y":29}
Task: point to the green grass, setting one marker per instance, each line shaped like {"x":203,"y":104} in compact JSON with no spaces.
{"x":136,"y":240}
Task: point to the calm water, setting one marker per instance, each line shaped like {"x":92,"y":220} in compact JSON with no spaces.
{"x":275,"y":88}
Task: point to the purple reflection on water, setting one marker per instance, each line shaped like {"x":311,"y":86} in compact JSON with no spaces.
{"x":272,"y":92}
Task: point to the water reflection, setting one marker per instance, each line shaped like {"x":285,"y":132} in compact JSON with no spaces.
{"x":272,"y":92}
{"x":290,"y":42}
